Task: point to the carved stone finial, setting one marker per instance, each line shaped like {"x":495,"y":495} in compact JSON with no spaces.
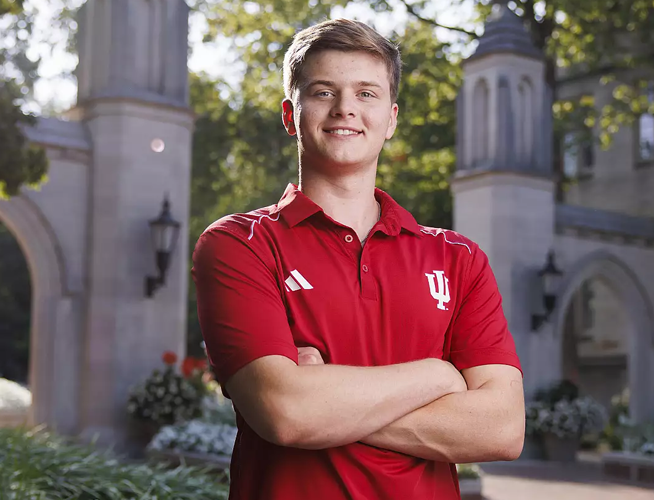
{"x":505,"y":32}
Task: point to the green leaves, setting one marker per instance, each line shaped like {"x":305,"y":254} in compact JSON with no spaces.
{"x":10,"y":7}
{"x":20,"y":163}
{"x":38,"y":465}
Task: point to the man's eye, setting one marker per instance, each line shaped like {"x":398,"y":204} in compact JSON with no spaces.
{"x":366,"y":94}
{"x":323,"y":93}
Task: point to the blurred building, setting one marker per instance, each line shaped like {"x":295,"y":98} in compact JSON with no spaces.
{"x":85,"y":234}
{"x":127,"y":144}
{"x":600,"y":231}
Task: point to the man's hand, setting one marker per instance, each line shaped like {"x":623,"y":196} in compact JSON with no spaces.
{"x":309,"y":356}
{"x":456,"y":378}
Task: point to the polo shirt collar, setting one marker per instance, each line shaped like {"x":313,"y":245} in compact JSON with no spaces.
{"x":296,"y":207}
{"x":394,"y":216}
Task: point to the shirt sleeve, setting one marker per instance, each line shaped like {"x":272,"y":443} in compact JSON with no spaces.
{"x":240,"y":308}
{"x":480,"y":333}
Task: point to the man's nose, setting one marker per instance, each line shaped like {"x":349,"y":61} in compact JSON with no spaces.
{"x":344,"y":106}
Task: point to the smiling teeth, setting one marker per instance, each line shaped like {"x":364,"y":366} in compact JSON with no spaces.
{"x":341,"y":131}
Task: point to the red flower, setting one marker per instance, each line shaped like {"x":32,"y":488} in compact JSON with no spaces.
{"x":190,"y":365}
{"x":169,"y":358}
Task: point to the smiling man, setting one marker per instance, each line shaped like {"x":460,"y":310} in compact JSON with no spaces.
{"x":365,"y":354}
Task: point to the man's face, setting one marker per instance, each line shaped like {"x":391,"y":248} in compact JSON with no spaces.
{"x":342,"y":111}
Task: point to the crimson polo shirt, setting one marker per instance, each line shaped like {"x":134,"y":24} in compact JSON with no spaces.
{"x":288,"y":275}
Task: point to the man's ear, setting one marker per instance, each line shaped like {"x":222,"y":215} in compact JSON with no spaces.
{"x":288,"y":117}
{"x":392,"y":122}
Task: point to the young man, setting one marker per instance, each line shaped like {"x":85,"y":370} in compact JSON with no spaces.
{"x":364,"y":353}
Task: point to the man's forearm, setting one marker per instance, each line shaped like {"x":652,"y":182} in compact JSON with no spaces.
{"x":325,"y":406}
{"x":481,"y":425}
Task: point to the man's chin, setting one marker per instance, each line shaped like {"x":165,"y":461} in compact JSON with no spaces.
{"x":339,"y":163}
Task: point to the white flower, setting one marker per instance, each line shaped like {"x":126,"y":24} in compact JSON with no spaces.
{"x":196,"y":436}
{"x":13,"y":396}
{"x":565,"y":418}
{"x":647,"y":449}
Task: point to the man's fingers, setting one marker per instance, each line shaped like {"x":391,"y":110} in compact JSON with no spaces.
{"x":309,"y":356}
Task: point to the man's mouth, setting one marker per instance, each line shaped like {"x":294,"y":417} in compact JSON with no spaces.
{"x":343,"y":131}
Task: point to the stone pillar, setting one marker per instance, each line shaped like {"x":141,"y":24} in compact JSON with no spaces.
{"x":503,"y":189}
{"x":133,"y":91}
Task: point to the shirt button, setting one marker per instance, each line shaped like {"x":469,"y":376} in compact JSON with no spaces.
{"x":348,"y":238}
{"x":365,"y":268}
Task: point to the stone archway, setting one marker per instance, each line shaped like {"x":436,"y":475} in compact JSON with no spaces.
{"x":638,"y":322}
{"x":596,"y":340}
{"x":51,"y":398}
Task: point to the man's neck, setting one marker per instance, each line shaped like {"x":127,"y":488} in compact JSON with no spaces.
{"x":349,"y":200}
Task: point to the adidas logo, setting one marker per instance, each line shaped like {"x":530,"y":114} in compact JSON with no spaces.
{"x":296,"y":282}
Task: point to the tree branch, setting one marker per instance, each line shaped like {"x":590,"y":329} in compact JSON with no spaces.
{"x":411,"y":10}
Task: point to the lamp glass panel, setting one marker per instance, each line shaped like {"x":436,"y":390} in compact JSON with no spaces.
{"x":551,"y":283}
{"x":163,"y":237}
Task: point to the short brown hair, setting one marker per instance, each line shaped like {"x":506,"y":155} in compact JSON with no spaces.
{"x":343,"y":35}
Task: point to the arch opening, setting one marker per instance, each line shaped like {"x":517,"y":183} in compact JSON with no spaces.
{"x":610,"y":330}
{"x":15,"y":309}
{"x":596,"y":340}
{"x":36,"y":240}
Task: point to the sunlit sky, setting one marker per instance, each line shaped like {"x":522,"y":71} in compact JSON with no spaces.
{"x":56,"y":92}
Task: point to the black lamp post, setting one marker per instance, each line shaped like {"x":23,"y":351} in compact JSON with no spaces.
{"x":164,"y":231}
{"x":551,"y":277}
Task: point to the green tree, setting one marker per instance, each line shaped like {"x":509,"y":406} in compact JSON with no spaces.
{"x":232,"y":172}
{"x":416,"y":165}
{"x":611,"y":40}
{"x":20,"y":162}
{"x":242,"y":156}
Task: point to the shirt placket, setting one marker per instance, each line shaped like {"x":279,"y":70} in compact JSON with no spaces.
{"x":361,"y":258}
{"x":366,"y":277}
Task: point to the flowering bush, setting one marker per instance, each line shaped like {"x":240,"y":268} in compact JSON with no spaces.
{"x":216,"y":409}
{"x":14,"y":396}
{"x":560,"y":411}
{"x":167,"y":397}
{"x":566,"y":419}
{"x":636,"y":438}
{"x":619,"y":425}
{"x":647,"y":448}
{"x":622,"y":433}
{"x":196,"y":436}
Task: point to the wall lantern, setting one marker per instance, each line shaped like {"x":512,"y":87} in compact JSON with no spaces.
{"x":551,"y":278}
{"x":164,"y":231}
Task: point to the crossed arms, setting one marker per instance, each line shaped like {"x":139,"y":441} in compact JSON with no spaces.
{"x":421,"y":408}
{"x":425,"y":408}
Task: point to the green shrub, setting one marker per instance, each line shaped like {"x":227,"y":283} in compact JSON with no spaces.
{"x":36,"y":465}
{"x":468,"y":471}
{"x":619,"y":425}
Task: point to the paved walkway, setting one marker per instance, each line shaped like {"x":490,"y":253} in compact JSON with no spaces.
{"x":530,"y":480}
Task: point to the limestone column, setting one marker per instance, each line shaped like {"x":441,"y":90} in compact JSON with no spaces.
{"x":133,"y":97}
{"x":504,"y":191}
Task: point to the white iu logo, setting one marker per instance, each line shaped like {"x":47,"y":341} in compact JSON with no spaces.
{"x":440,"y":289}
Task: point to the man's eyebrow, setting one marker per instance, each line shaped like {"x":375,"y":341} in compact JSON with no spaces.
{"x":368,"y":84}
{"x":328,"y":83}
